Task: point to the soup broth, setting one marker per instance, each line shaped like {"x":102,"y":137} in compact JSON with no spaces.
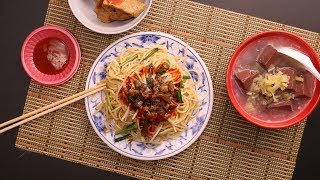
{"x":269,"y":85}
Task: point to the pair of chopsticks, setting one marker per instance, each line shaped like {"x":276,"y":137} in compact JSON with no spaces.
{"x":49,"y":108}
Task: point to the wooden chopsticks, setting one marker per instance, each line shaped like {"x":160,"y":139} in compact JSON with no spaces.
{"x":49,"y":108}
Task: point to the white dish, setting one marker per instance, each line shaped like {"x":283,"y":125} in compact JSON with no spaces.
{"x":136,"y":149}
{"x":83,"y":11}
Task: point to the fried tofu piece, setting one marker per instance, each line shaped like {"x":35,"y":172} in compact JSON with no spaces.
{"x":131,"y":7}
{"x":118,"y":10}
{"x":109,"y":14}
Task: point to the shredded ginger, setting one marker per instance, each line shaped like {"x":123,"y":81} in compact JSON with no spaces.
{"x":299,"y":78}
{"x":269,"y":83}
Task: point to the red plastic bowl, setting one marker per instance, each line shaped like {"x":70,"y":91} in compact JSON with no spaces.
{"x":50,"y":32}
{"x":306,"y":48}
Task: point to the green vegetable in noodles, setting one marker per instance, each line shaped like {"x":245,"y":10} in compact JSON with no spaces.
{"x":186,"y":77}
{"x":179,"y":95}
{"x":122,"y":138}
{"x":130,"y":127}
{"x":129,"y":59}
{"x":109,"y":102}
{"x":150,"y":54}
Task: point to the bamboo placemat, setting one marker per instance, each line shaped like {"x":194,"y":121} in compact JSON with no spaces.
{"x":229,"y":148}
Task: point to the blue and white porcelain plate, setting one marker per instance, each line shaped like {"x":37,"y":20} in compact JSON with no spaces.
{"x":136,"y":149}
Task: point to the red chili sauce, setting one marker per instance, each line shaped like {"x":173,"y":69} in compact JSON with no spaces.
{"x":51,"y":56}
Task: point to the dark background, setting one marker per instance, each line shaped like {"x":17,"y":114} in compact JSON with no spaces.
{"x":19,"y":18}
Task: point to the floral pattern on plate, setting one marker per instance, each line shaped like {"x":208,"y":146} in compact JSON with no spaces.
{"x":136,"y":149}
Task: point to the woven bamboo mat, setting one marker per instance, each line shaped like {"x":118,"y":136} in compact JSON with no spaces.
{"x":229,"y":148}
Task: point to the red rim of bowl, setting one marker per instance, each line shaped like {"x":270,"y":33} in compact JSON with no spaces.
{"x":74,"y":67}
{"x":281,"y":124}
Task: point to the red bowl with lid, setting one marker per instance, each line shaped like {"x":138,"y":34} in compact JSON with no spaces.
{"x":248,"y":51}
{"x":67,"y":64}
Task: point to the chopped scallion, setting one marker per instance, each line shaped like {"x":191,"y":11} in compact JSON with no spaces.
{"x":150,"y":54}
{"x":109,"y":102}
{"x":130,"y":127}
{"x":181,"y":85}
{"x":149,"y":80}
{"x":179,"y":95}
{"x":122,"y":138}
{"x":167,"y":65}
{"x":186,"y":77}
{"x":129,"y":59}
